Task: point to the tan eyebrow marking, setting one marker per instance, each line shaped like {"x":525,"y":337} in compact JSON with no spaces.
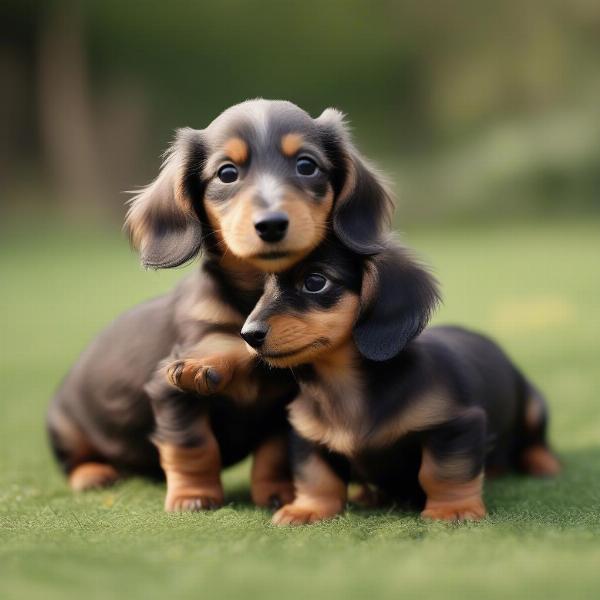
{"x":291,"y":143}
{"x":237,"y":150}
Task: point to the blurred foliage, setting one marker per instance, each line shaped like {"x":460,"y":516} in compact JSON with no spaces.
{"x":475,"y":107}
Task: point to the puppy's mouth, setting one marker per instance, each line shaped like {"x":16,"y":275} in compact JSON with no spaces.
{"x":273,"y":261}
{"x":273,"y":255}
{"x":315,"y":345}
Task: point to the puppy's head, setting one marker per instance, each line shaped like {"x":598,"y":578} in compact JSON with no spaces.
{"x":381,"y":302}
{"x":263,"y":181}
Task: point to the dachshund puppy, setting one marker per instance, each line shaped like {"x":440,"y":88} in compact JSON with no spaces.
{"x":256,"y":191}
{"x":417,"y":415}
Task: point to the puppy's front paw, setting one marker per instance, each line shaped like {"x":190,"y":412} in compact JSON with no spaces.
{"x":466,"y":510}
{"x":193,"y":500}
{"x":304,"y":513}
{"x":196,"y":376}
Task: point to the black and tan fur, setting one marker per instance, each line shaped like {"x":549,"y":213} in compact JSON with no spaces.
{"x":417,"y":414}
{"x":122,"y":409}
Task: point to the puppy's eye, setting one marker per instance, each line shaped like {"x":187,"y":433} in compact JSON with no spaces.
{"x":306,"y":167}
{"x":228,"y":173}
{"x":314,"y":283}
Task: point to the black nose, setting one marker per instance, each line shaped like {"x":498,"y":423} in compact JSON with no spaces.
{"x":271,"y":226}
{"x":254,"y":334}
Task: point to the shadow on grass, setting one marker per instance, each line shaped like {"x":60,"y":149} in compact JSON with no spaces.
{"x":574,"y":493}
{"x":569,"y":500}
{"x":239,"y":495}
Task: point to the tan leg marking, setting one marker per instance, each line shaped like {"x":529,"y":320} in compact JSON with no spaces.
{"x":447,"y":499}
{"x":540,"y":462}
{"x":320,"y":495}
{"x":193,"y":474}
{"x":92,"y":475}
{"x":534,"y":412}
{"x":271,"y":481}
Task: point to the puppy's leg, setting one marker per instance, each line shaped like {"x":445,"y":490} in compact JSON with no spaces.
{"x":271,"y":477}
{"x":211,"y":366}
{"x":193,"y":474}
{"x":188,"y":449}
{"x":74,"y":451}
{"x":92,"y":476}
{"x":321,"y":481}
{"x":451,"y":472}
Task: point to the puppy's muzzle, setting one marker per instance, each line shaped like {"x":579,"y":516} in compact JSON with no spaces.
{"x":271,"y":226}
{"x":254,"y":334}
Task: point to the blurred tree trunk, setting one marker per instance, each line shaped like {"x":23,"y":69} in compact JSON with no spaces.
{"x":66,"y":111}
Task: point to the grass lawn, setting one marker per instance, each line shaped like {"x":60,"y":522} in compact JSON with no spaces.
{"x":535,"y":286}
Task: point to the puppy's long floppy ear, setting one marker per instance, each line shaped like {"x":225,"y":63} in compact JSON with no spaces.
{"x":364,"y":205}
{"x":162,"y":221}
{"x":398,"y":297}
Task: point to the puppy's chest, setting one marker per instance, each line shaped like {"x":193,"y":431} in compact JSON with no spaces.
{"x":332,"y":413}
{"x":342,"y":416}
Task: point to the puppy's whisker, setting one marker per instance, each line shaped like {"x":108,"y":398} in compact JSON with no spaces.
{"x":294,"y":375}
{"x":213,"y":233}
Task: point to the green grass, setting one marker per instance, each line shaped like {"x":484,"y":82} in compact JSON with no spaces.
{"x":534,"y":286}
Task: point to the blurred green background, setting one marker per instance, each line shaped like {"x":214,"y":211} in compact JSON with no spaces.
{"x":478,"y":109}
{"x":486,"y":115}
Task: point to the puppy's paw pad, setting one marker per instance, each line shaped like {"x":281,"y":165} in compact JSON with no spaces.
{"x":90,"y":476}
